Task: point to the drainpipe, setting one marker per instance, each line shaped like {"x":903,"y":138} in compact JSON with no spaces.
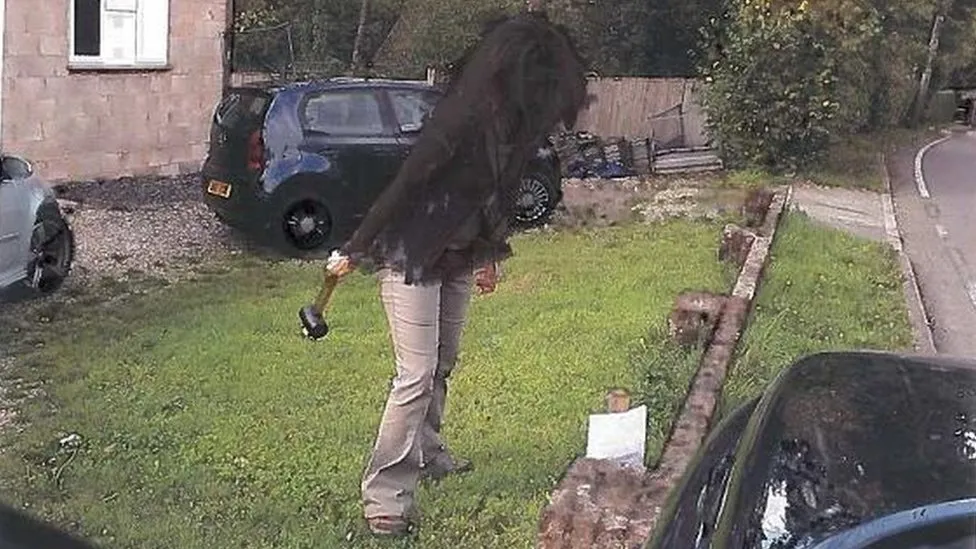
{"x":228,"y":45}
{"x":3,"y":60}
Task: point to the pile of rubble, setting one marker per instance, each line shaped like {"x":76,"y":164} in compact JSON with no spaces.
{"x":584,"y":155}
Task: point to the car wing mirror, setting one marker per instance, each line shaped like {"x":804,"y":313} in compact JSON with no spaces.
{"x":14,"y":167}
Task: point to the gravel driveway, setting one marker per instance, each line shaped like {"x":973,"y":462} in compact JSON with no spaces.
{"x":130,"y":230}
{"x":155,"y":226}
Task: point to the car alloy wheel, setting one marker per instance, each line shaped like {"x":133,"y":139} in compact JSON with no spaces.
{"x":52,"y":249}
{"x":532,"y":200}
{"x":307,"y":224}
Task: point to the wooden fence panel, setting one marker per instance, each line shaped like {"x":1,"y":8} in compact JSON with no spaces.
{"x":634,"y":108}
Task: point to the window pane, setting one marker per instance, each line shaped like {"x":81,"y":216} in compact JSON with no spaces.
{"x":344,"y":113}
{"x":119,"y":37}
{"x":412,"y":107}
{"x":87,"y":31}
{"x":153,"y":31}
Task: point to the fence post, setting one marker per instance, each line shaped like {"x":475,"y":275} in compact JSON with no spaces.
{"x":431,"y":76}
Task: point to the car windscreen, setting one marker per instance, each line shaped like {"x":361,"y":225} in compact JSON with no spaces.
{"x":851,"y":437}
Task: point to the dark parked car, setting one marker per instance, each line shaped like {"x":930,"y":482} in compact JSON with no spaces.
{"x":843,"y":451}
{"x":301,"y":163}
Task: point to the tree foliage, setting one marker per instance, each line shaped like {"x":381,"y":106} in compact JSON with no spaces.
{"x":771,"y":90}
{"x":783,"y":77}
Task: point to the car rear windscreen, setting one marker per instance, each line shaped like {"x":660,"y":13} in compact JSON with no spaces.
{"x":241,"y":108}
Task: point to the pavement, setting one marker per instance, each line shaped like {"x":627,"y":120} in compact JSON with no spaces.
{"x":938,"y":230}
{"x":859,"y":212}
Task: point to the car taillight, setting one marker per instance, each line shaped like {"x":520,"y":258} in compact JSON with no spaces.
{"x":255,"y":151}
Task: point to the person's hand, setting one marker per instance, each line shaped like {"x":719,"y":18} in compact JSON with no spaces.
{"x":486,"y":278}
{"x":339,"y":264}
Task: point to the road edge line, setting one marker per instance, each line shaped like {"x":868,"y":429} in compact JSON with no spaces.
{"x":920,"y":184}
{"x":922,"y":327}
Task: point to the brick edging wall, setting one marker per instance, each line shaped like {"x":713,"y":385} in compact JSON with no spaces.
{"x":601,"y":505}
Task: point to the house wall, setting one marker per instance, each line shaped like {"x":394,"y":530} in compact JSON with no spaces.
{"x":77,"y":125}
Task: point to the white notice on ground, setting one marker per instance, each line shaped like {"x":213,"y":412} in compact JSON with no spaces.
{"x":619,"y":437}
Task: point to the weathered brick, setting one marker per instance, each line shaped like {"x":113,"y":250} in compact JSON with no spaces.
{"x":23,"y":44}
{"x":49,"y":22}
{"x":53,"y":45}
{"x":28,"y":86}
{"x":110,"y":84}
{"x":191,"y":166}
{"x":110,"y":162}
{"x":160,"y":83}
{"x":182,"y":85}
{"x":25,"y":130}
{"x":198,"y":151}
{"x":169,"y":170}
{"x":83,"y":166}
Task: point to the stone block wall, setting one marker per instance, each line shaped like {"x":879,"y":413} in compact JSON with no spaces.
{"x":85,"y":124}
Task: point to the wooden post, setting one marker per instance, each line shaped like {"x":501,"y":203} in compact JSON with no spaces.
{"x":618,"y":401}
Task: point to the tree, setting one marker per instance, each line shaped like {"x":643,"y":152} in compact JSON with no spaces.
{"x":921,"y":98}
{"x":771,"y":85}
{"x":357,"y":44}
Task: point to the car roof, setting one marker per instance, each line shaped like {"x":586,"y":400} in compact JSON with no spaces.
{"x":341,"y":82}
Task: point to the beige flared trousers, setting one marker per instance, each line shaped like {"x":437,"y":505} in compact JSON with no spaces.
{"x":426,"y":322}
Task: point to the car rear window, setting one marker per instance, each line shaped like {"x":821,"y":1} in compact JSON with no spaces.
{"x":412,"y":107}
{"x":345,"y":112}
{"x":240,"y":108}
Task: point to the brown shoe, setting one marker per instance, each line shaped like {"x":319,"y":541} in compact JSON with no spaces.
{"x":444,"y":465}
{"x":389,"y":526}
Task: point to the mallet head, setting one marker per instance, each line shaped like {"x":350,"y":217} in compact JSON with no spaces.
{"x":314,"y":326}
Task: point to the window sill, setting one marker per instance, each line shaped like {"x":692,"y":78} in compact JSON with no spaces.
{"x":88,"y":66}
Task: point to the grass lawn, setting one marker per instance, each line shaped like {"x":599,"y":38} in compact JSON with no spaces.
{"x":206,"y":421}
{"x":823,"y":290}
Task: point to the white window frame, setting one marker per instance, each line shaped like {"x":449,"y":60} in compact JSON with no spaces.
{"x":138,"y":60}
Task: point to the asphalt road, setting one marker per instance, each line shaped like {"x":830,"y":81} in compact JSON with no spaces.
{"x":939,"y":233}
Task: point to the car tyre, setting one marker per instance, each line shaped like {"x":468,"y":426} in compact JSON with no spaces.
{"x":302,"y":225}
{"x":53,"y":251}
{"x":537,"y":198}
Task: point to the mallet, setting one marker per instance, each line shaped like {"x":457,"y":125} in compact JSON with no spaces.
{"x":314,"y":326}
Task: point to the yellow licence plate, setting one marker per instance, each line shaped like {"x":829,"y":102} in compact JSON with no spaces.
{"x":219,"y":188}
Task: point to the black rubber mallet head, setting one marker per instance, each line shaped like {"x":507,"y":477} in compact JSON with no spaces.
{"x":312,"y":316}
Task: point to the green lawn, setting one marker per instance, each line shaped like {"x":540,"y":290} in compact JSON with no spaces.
{"x":206,"y":421}
{"x":823,"y":290}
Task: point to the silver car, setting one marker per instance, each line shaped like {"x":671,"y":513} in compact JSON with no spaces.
{"x":36,"y":241}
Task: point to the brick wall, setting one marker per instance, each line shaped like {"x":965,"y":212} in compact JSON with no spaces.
{"x":78,"y":125}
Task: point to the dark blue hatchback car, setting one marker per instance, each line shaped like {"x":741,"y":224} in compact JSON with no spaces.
{"x":300,"y":164}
